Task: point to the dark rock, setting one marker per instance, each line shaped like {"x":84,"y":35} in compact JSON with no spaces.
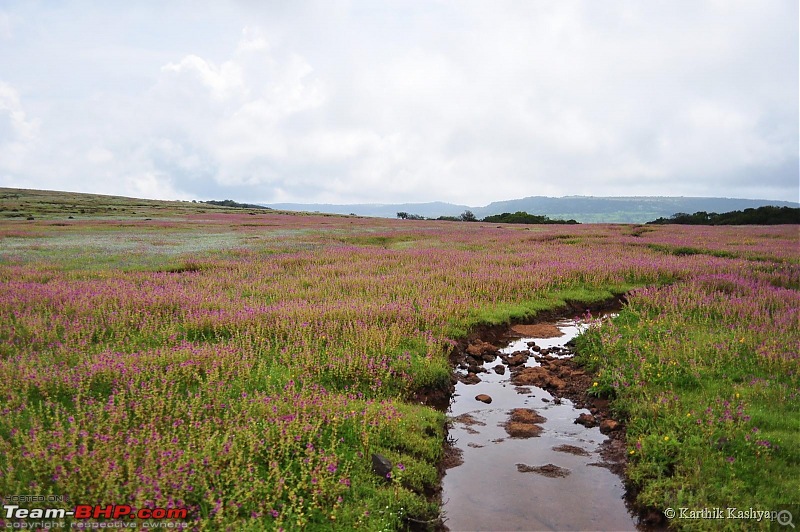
{"x":500,"y":369}
{"x":517,"y":359}
{"x":536,"y":348}
{"x":482,"y":397}
{"x":587,"y":420}
{"x":488,"y":357}
{"x":545,"y":351}
{"x":381,"y":465}
{"x":471,"y":378}
{"x":531,"y":344}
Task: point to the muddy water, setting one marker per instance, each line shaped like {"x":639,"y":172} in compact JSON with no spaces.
{"x":489,"y":492}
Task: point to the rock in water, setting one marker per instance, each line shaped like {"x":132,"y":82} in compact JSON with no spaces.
{"x":587,"y":420}
{"x":482,"y":397}
{"x":381,"y":465}
{"x":608,"y":425}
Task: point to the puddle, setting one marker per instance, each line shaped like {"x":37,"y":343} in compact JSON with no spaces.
{"x":543,"y":479}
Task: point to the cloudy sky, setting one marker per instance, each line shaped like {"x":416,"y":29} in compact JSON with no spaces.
{"x":400,"y":101}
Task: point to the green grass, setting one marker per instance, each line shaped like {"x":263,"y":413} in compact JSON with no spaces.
{"x":713,"y":416}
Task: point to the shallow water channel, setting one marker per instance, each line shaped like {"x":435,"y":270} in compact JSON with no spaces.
{"x":498,"y":485}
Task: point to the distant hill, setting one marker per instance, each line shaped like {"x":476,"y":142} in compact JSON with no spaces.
{"x":584,"y":209}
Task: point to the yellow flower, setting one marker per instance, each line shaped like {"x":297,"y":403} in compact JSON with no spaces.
{"x":594,"y":384}
{"x":688,"y":414}
{"x":666,"y":438}
{"x":632,"y":452}
{"x":737,"y":395}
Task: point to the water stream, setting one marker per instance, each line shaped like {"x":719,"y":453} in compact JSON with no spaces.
{"x":498,"y":488}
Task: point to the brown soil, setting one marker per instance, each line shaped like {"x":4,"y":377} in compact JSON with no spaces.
{"x":537,"y":330}
{"x":526,"y":415}
{"x":467,"y":419}
{"x":523,"y":423}
{"x":452,"y":457}
{"x":548,"y":470}
{"x":522,"y":430}
{"x":571,"y":449}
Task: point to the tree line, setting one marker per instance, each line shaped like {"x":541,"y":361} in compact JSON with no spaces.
{"x":767,"y":215}
{"x":518,"y":217}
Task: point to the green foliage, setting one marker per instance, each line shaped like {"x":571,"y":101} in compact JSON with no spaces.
{"x":521,"y":217}
{"x":767,"y":215}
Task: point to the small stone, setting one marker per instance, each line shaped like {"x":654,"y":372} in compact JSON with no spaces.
{"x":381,"y":465}
{"x":471,"y":378}
{"x":482,"y":397}
{"x":500,"y":369}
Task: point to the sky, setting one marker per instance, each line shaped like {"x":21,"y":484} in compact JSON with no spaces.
{"x":392,"y":101}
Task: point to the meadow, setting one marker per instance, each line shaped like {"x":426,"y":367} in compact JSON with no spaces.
{"x":246,"y":364}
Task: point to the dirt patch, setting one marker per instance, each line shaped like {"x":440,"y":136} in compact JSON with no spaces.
{"x":522,"y":430}
{"x":526,"y":415}
{"x":571,"y":449}
{"x":468,"y":420}
{"x":523,"y":423}
{"x":548,"y":470}
{"x":537,"y":330}
{"x":453,"y":457}
{"x":540,"y":376}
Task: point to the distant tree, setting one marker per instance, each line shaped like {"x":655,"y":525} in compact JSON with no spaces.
{"x":521,"y":217}
{"x":402,"y":215}
{"x":231,"y":203}
{"x":468,"y":216}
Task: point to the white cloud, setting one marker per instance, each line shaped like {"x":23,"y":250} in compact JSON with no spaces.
{"x":355,"y":101}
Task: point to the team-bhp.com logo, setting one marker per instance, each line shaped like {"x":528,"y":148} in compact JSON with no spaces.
{"x":88,"y":511}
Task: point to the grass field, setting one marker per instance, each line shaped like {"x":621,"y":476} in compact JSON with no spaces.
{"x":246,"y":364}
